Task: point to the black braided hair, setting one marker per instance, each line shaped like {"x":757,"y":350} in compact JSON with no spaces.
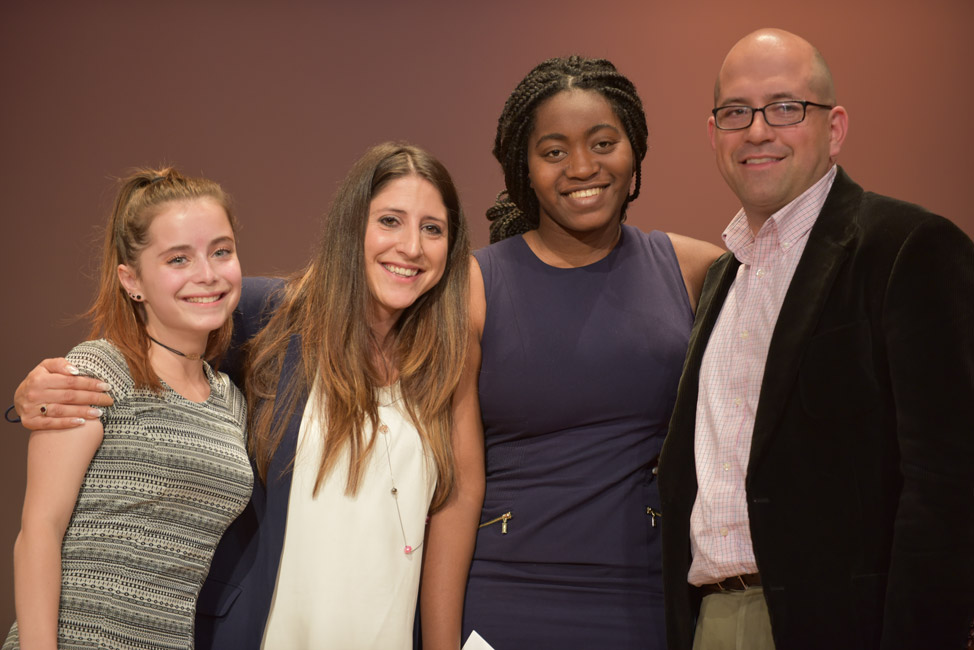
{"x":516,"y":209}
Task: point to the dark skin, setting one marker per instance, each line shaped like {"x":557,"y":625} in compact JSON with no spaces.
{"x":580,"y":145}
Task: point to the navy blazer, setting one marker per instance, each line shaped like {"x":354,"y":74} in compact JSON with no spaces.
{"x":860,"y":480}
{"x":235,"y":599}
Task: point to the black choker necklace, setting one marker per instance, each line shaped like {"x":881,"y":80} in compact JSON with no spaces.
{"x":193,"y":357}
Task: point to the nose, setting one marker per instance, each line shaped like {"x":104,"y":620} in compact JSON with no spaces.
{"x":760,"y":130}
{"x":410,"y":242}
{"x":205,"y":272}
{"x":582,"y":164}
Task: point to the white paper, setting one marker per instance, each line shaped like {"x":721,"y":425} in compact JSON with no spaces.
{"x":476,"y":642}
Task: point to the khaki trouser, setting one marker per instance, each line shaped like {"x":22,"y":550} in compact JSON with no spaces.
{"x":734,"y":620}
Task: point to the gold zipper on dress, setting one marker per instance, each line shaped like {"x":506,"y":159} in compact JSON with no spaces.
{"x":654,"y":514}
{"x":503,"y":519}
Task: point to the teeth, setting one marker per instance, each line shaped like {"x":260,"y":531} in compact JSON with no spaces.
{"x":205,"y":300}
{"x":398,"y":270}
{"x":581,"y":194}
{"x":758,"y":161}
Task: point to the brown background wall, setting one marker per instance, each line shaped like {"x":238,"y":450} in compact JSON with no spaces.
{"x":275,"y":100}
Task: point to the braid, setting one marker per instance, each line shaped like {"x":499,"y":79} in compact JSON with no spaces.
{"x":506,"y":219}
{"x":516,"y":209}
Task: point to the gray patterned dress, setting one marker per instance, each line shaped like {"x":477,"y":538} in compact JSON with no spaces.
{"x":168,"y":479}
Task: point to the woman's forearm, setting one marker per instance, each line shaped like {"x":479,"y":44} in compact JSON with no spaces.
{"x":453,"y":528}
{"x":450,"y":548}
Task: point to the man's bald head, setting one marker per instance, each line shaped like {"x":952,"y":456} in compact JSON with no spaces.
{"x":771,"y":42}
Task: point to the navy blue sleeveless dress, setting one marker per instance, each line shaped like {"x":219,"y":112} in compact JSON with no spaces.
{"x":578,"y":378}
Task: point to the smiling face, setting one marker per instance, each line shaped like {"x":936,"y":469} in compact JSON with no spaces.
{"x":768,"y":167}
{"x":406,"y":247}
{"x":188,"y":274}
{"x":580,"y":163}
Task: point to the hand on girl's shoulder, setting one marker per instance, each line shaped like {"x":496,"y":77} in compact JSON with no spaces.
{"x":100,"y":359}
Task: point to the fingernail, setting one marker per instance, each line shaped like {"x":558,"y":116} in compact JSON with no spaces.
{"x":73,"y":370}
{"x":104,"y":387}
{"x":78,"y":421}
{"x":94,"y":413}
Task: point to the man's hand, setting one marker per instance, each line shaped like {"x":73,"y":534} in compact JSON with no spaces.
{"x":54,"y":396}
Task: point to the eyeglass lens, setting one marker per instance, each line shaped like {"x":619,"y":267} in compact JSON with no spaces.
{"x":775,"y":114}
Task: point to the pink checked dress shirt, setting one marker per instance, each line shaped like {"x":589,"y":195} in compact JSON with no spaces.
{"x":730,"y":382}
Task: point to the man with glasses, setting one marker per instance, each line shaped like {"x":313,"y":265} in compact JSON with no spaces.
{"x":817,"y":481}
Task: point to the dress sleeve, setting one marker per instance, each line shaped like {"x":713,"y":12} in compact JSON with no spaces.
{"x":102,"y":360}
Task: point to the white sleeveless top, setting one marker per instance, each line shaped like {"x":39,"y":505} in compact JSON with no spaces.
{"x":344,"y":580}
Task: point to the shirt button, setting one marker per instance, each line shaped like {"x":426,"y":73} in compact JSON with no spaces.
{"x":726,"y":466}
{"x":761,"y":273}
{"x":724,"y":531}
{"x":786,"y":244}
{"x":737,"y":401}
{"x":744,"y":334}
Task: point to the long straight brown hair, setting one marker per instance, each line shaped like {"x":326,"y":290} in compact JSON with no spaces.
{"x":142,"y":196}
{"x":327,"y":305}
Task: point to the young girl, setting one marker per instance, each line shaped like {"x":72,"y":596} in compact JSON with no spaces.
{"x":122,"y":515}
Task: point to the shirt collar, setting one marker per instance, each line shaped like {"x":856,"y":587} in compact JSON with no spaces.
{"x":785,"y":227}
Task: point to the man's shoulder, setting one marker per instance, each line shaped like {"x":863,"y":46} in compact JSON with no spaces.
{"x":899,"y":225}
{"x":880,"y":207}
{"x":882,"y":216}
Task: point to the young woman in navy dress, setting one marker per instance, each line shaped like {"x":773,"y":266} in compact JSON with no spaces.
{"x":583,"y":324}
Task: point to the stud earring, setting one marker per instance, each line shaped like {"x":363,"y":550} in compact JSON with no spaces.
{"x":135,"y":296}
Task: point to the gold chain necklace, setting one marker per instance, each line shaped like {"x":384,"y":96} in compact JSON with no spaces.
{"x":407,"y":549}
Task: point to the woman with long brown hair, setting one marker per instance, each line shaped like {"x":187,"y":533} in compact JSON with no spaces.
{"x":354,"y":431}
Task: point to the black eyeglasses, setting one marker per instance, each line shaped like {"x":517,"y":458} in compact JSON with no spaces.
{"x":735,"y":118}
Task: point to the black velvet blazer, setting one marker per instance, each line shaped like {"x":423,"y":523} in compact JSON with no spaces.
{"x":860,"y":481}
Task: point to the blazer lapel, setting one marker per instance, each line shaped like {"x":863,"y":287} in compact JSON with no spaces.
{"x":679,"y":442}
{"x":280,"y":469}
{"x":281,"y":463}
{"x":720,"y":277}
{"x":827,"y":249}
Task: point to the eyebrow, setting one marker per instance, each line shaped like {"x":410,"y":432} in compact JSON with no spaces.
{"x":404,"y":212}
{"x":769,"y":99}
{"x":593,"y":129}
{"x":388,"y":209}
{"x":186,"y":247}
